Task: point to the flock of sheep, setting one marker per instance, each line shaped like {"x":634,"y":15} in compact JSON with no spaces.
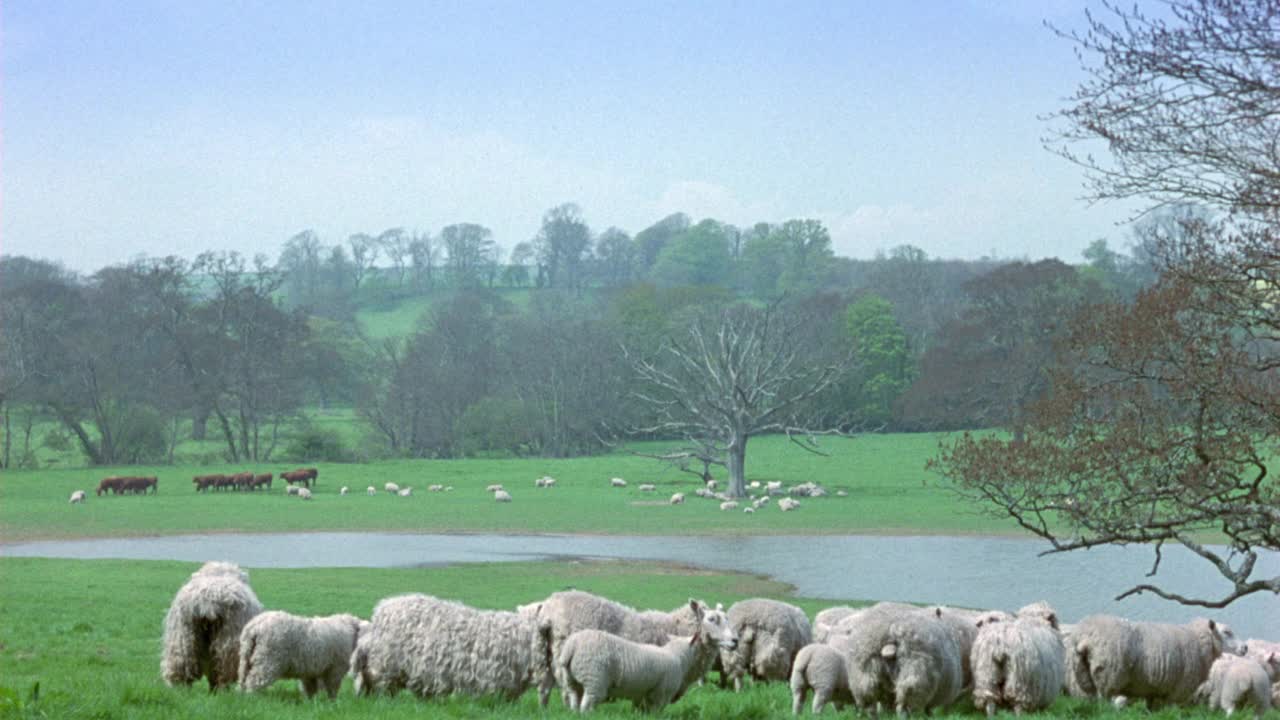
{"x":889,"y":656}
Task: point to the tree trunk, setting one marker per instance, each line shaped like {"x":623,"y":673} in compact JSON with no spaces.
{"x":737,"y":465}
{"x":8,"y":438}
{"x":200,"y":423}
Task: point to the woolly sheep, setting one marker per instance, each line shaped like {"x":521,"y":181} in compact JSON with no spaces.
{"x":391,"y":488}
{"x":1118,"y":659}
{"x":808,"y":489}
{"x":618,"y":482}
{"x":405,"y":492}
{"x":748,"y":510}
{"x":502,"y":496}
{"x":712,"y":485}
{"x":292,"y":490}
{"x":1019,"y":663}
{"x":1235,"y":682}
{"x":927,"y":664}
{"x":963,"y":624}
{"x":820,"y":668}
{"x":371,"y":490}
{"x":435,"y":488}
{"x":344,"y":490}
{"x":77,"y":497}
{"x":1260,"y":650}
{"x":594,"y":666}
{"x":863,"y":636}
{"x":827,"y":619}
{"x":203,"y":624}
{"x":494,"y":488}
{"x":677,"y":499}
{"x":770,"y":633}
{"x":315,"y":650}
{"x":566,"y":612}
{"x":304,"y":493}
{"x":786,"y":504}
{"x":646,"y":487}
{"x":754,"y":485}
{"x":729,"y":505}
{"x":436,"y":647}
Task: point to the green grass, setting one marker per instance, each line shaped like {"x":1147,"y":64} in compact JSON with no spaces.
{"x":400,"y":318}
{"x":889,"y":492}
{"x":88,"y":632}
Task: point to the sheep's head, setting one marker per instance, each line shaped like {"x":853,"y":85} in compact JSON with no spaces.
{"x":1223,"y":638}
{"x":713,"y":626}
{"x":1040,"y":611}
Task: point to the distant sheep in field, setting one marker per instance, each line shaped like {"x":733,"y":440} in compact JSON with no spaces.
{"x":202,"y":627}
{"x":774,"y":487}
{"x":820,"y":668}
{"x":405,"y":492}
{"x":770,"y":633}
{"x":748,"y":510}
{"x":842,"y":493}
{"x":371,"y":490}
{"x":344,"y":490}
{"x":1236,"y":682}
{"x":493,"y":488}
{"x":1121,"y":660}
{"x":435,"y":647}
{"x":712,"y":485}
{"x":787,"y":504}
{"x":304,"y":493}
{"x":618,"y":482}
{"x":677,"y":499}
{"x":545,"y":481}
{"x":754,"y":485}
{"x":391,"y":488}
{"x":646,"y":487}
{"x":594,"y":666}
{"x":808,"y":489}
{"x":502,"y":496}
{"x":1018,"y":663}
{"x":729,"y":505}
{"x":703,"y":493}
{"x":77,"y":497}
{"x":316,"y":650}
{"x":435,"y":488}
{"x":293,"y":490}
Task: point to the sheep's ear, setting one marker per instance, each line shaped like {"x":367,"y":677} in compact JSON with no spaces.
{"x":1213,"y":625}
{"x":1053,"y":621}
{"x":748,"y":634}
{"x":981,"y":622}
{"x":937,"y":612}
{"x":697,"y":608}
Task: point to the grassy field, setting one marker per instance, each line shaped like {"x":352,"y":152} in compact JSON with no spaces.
{"x":888,"y":492}
{"x":88,"y":633}
{"x":400,"y":318}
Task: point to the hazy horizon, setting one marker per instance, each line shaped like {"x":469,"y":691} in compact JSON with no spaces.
{"x":154,"y":129}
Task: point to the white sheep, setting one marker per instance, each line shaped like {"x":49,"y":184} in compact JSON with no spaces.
{"x":827,"y":619}
{"x":863,"y":636}
{"x":677,"y":499}
{"x":371,"y":490}
{"x":435,"y":647}
{"x":315,"y":650}
{"x":842,"y":493}
{"x":646,"y":487}
{"x":617,"y":482}
{"x":594,"y":666}
{"x":405,"y":492}
{"x":203,"y":624}
{"x":494,"y":488}
{"x":754,"y":485}
{"x":546,"y":481}
{"x":748,"y":510}
{"x":773,"y":487}
{"x":820,"y":668}
{"x":770,"y":633}
{"x":292,"y":490}
{"x":1235,"y":682}
{"x":787,"y":504}
{"x":435,"y":488}
{"x":712,"y":485}
{"x":926,"y":662}
{"x":391,"y":488}
{"x":502,"y":496}
{"x":807,"y":489}
{"x":1118,"y":659}
{"x":1019,"y":663}
{"x":77,"y":497}
{"x":729,"y":505}
{"x":304,"y":493}
{"x":344,"y":490}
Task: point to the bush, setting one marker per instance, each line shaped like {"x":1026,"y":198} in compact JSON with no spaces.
{"x":314,"y":444}
{"x":141,"y":437}
{"x":495,"y":427}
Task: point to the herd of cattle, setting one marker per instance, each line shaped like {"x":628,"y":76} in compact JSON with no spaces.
{"x":124,"y":485}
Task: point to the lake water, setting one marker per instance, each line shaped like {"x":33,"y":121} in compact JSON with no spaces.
{"x":964,"y":571}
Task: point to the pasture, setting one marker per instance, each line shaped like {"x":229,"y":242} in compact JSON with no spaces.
{"x":888,"y":492}
{"x":88,"y":633}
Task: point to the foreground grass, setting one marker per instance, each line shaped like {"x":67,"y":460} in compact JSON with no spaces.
{"x":888,"y":492}
{"x":88,"y":632}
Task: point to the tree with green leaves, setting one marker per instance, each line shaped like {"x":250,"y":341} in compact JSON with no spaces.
{"x":697,"y":256}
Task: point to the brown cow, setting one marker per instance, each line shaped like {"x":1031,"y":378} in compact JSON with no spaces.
{"x":114,"y":484}
{"x":297,"y":476}
{"x":204,"y":482}
{"x":140,"y":485}
{"x":263,"y":479}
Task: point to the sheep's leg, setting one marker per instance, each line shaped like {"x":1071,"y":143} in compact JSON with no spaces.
{"x":310,"y":685}
{"x":588,"y":701}
{"x":333,"y":683}
{"x":821,"y":696}
{"x":737,"y":683}
{"x":797,"y":699}
{"x":1120,"y":701}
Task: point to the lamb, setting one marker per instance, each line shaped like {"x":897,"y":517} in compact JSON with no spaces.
{"x":1114,"y":658}
{"x":371,"y":490}
{"x":315,"y":650}
{"x":677,"y":499}
{"x":203,"y":624}
{"x":502,"y":496}
{"x":77,"y":497}
{"x":391,"y":488}
{"x":437,"y":647}
{"x":344,"y":490}
{"x":566,"y":612}
{"x":618,"y":482}
{"x":304,"y":493}
{"x":821,"y":668}
{"x":1018,"y":664}
{"x":1235,"y":682}
{"x":773,"y":487}
{"x":594,"y":666}
{"x":770,"y":633}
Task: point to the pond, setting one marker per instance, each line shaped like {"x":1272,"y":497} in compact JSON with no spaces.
{"x":963,"y":571}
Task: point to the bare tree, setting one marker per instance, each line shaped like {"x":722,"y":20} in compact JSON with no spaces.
{"x":736,"y":373}
{"x":395,"y":245}
{"x":364,"y":253}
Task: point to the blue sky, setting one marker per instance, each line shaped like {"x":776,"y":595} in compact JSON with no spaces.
{"x":169,"y":128}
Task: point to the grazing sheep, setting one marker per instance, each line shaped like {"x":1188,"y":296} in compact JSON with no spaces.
{"x":1118,"y":659}
{"x":926,"y":662}
{"x":774,"y":487}
{"x":703,"y":493}
{"x":435,"y":488}
{"x":808,"y":489}
{"x":494,"y":488}
{"x":391,"y":488}
{"x":770,"y":633}
{"x":646,"y":487}
{"x":344,"y":490}
{"x":77,"y":497}
{"x":371,"y":490}
{"x":1235,"y":682}
{"x":712,"y":485}
{"x":754,"y":485}
{"x":405,"y":492}
{"x":820,"y":668}
{"x":546,"y":481}
{"x":963,"y":625}
{"x":618,"y":482}
{"x":748,"y":510}
{"x":677,"y":499}
{"x":827,"y":619}
{"x":315,"y":650}
{"x":502,"y":496}
{"x":436,"y":647}
{"x":1018,"y":664}
{"x":1261,"y":650}
{"x":293,"y":490}
{"x":594,"y":666}
{"x":787,"y":504}
{"x":304,"y":493}
{"x":842,"y":493}
{"x":203,"y":624}
{"x":729,"y":505}
{"x":863,"y":637}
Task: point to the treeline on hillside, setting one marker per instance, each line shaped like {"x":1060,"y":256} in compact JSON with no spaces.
{"x":134,"y":359}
